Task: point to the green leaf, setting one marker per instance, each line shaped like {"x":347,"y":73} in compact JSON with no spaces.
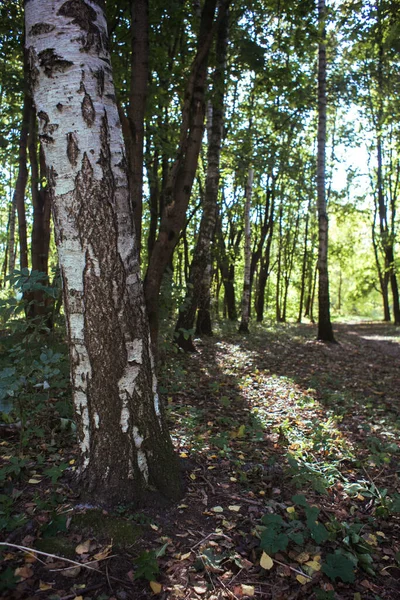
{"x":147,"y":566}
{"x":272,"y":541}
{"x":338,"y":566}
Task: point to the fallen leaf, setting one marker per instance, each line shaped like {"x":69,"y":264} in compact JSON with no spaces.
{"x":234,"y":507}
{"x":314,"y":565}
{"x":301,"y":579}
{"x":154,"y":527}
{"x":199,"y":590}
{"x":357,"y":596}
{"x":192,"y":476}
{"x":302,"y":558}
{"x":71,"y":573}
{"x":183,"y":455}
{"x":45,"y":586}
{"x":34,"y":481}
{"x":217,"y":509}
{"x":103,"y":553}
{"x":248,"y":590}
{"x":266,"y":561}
{"x":185,"y":556}
{"x":24,"y":572}
{"x":183,"y":506}
{"x":156,"y":587}
{"x":83,"y":548}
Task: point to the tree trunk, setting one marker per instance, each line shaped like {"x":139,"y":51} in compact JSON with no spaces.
{"x":22,"y":179}
{"x":137,"y":108}
{"x":200,"y":270}
{"x":325,"y":331}
{"x":180,"y":180}
{"x":39,"y":303}
{"x":125,"y":447}
{"x":304,"y":265}
{"x":244,"y":324}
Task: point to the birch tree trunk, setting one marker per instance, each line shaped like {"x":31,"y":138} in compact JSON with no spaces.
{"x":244,"y":324}
{"x":126,"y":450}
{"x":325,"y":332}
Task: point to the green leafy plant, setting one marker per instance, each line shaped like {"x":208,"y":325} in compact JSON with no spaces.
{"x":339,"y":566}
{"x":147,"y":566}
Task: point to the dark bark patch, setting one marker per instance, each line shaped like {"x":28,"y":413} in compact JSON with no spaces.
{"x":84,"y":16}
{"x":88,"y":111}
{"x":40,"y":28}
{"x":52,"y":62}
{"x":99,"y":75}
{"x":72,"y":149}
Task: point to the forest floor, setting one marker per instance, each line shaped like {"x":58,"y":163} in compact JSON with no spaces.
{"x":290,"y":455}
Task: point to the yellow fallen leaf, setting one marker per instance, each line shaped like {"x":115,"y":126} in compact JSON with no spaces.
{"x":234,"y":507}
{"x":154,"y":527}
{"x":156,"y":587}
{"x":217,"y":509}
{"x":183,"y":455}
{"x":248,"y":590}
{"x":302,"y":558}
{"x":78,"y":598}
{"x":43,"y":587}
{"x":241,"y":431}
{"x":266,"y":561}
{"x":381,"y":534}
{"x":301,"y":579}
{"x":185,"y":556}
{"x":192,"y":476}
{"x":34,"y":481}
{"x":83,"y":548}
{"x":291,"y":509}
{"x":370,"y":538}
{"x":103,"y":553}
{"x":314,"y":565}
{"x":183,"y":506}
{"x":357,"y":596}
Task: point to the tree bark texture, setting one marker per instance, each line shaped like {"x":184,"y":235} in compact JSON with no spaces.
{"x":325,"y":331}
{"x":125,"y":447}
{"x":244,"y":323}
{"x":200,"y":270}
{"x":20,"y":186}
{"x":137,"y":108}
{"x":178,"y":189}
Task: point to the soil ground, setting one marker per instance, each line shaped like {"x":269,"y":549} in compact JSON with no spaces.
{"x":271,"y":423}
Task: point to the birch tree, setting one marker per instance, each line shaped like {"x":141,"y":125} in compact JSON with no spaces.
{"x":125,"y":446}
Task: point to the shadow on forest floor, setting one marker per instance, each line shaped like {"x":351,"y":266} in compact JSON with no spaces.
{"x":288,"y":446}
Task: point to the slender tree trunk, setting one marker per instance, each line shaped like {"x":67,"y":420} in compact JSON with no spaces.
{"x":325,"y":331}
{"x":183,"y":170}
{"x":125,"y":447}
{"x":12,"y":218}
{"x":304,"y":265}
{"x":20,"y":186}
{"x":137,"y":108}
{"x":200,"y":270}
{"x":265,"y":266}
{"x":244,"y":324}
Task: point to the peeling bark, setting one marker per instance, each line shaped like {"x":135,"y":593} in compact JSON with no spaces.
{"x":125,"y":447}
